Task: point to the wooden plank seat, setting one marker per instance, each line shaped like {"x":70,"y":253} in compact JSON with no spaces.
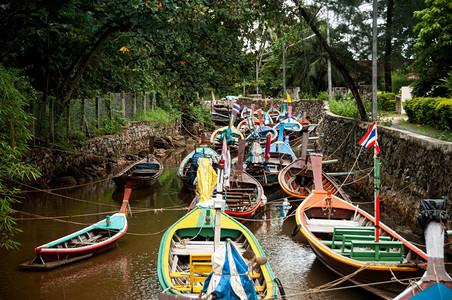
{"x":200,"y":267}
{"x":344,"y":241}
{"x":198,"y":247}
{"x":81,"y":240}
{"x":340,"y":231}
{"x":328,"y":226}
{"x":381,"y":251}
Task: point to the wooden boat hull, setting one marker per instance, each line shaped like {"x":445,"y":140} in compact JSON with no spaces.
{"x":193,"y":235}
{"x":317,"y":222}
{"x":216,"y":140}
{"x":296,"y":179}
{"x":87,"y":242}
{"x":243,"y":197}
{"x":142,"y":173}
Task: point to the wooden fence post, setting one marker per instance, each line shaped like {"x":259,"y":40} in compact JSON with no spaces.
{"x":82,"y":113}
{"x":123,"y":104}
{"x":97,"y":113}
{"x":68,"y":118}
{"x":153,"y":100}
{"x":134,"y":104}
{"x":51,"y":120}
{"x":110,"y":108}
{"x":144,"y":101}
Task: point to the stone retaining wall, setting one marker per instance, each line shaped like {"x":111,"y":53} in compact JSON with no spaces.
{"x":413,"y":167}
{"x":96,"y":157}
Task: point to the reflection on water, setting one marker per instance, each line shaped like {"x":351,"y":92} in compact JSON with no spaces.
{"x":130,"y":270}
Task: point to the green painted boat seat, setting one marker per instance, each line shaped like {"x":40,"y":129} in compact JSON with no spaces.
{"x":344,"y":241}
{"x":381,"y":251}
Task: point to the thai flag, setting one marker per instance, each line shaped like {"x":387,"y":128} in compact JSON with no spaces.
{"x":371,"y":138}
{"x":236,"y":108}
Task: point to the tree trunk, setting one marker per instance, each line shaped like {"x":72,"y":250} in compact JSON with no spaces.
{"x":348,"y":79}
{"x":81,"y":65}
{"x":388,"y":46}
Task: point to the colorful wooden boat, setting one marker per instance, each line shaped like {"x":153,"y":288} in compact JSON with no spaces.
{"x":231,"y":133}
{"x":343,"y":237}
{"x":255,"y":129}
{"x":296,"y":179}
{"x":186,"y":249}
{"x":244,"y":195}
{"x":274,"y":114}
{"x":140,"y":174}
{"x":266,"y":165}
{"x":92,"y":240}
{"x":189,"y":165}
{"x":435,"y":283}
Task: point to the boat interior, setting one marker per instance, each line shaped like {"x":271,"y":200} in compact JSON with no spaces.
{"x":87,"y":238}
{"x":353,"y":235}
{"x":190,"y":259}
{"x":240,"y":196}
{"x":145,"y":169}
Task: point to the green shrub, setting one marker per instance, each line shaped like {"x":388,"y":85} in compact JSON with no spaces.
{"x":158,"y":117}
{"x":346,"y":108}
{"x":386,"y":101}
{"x":197,"y":113}
{"x":323,"y":96}
{"x":398,"y":80}
{"x":435,"y":112}
{"x":111,"y":126}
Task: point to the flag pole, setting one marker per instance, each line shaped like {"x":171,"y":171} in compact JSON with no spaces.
{"x":377,"y":189}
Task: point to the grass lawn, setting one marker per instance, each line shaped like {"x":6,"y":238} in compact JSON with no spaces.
{"x":445,"y":135}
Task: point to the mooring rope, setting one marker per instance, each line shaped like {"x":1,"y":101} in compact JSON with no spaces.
{"x":343,"y":142}
{"x":316,"y":290}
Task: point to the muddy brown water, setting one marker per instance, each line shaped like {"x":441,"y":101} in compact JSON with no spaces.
{"x":130,"y":270}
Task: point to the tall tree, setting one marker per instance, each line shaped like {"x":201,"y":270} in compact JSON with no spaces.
{"x":388,"y":46}
{"x":348,"y":78}
{"x":434,"y":46}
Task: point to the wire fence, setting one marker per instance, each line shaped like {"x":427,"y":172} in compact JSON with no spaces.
{"x":88,"y":115}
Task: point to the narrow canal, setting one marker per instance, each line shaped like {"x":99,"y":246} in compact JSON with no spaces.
{"x":130,"y":270}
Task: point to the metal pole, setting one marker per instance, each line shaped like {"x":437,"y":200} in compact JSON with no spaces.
{"x":374,"y":62}
{"x":330,"y":80}
{"x":284,"y":68}
{"x":257,"y":78}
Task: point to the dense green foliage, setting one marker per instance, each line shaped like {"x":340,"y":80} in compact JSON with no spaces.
{"x":386,"y":101}
{"x":398,"y":80}
{"x":434,"y":45}
{"x":178,"y":49}
{"x":430,"y":111}
{"x":14,"y":136}
{"x":347,"y":108}
{"x":158,"y":117}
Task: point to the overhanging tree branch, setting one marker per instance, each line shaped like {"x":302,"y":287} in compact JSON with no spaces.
{"x":82,"y":63}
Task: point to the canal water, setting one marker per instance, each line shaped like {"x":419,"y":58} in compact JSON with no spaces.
{"x":130,"y":270}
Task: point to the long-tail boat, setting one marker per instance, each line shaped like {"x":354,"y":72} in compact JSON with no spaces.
{"x":92,"y":240}
{"x":189,"y":165}
{"x":231,"y":133}
{"x":142,"y":173}
{"x":297,"y":180}
{"x":266,"y":165}
{"x":189,"y":249}
{"x":243,"y":193}
{"x":436,"y":283}
{"x":355,"y":244}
